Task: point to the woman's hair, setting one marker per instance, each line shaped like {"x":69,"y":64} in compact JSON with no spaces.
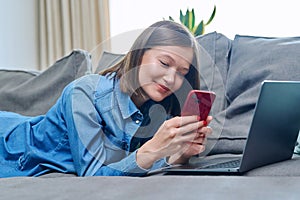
{"x":162,"y":33}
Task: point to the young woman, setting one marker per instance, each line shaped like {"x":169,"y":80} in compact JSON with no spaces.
{"x":123,"y":121}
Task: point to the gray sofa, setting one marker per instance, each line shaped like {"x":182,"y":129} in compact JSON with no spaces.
{"x":233,"y":69}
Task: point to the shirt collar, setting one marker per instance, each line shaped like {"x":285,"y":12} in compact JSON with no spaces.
{"x":126,"y":105}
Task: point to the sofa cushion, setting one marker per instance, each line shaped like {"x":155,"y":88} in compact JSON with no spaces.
{"x":214,"y":63}
{"x":215,"y":54}
{"x":107,"y":59}
{"x":253,"y":59}
{"x":33,"y":93}
{"x":218,"y":48}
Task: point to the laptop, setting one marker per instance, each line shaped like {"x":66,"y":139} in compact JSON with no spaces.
{"x":272,"y":135}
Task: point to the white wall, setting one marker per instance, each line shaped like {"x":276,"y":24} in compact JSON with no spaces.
{"x":247,"y":17}
{"x":257,"y":17}
{"x":18,"y":35}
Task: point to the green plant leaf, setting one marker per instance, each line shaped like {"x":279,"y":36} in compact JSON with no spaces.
{"x":186,"y":18}
{"x":211,"y":16}
{"x":200,"y":29}
{"x":181,"y":17}
{"x":192,"y":19}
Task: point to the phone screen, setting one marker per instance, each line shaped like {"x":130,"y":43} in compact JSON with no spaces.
{"x":198,"y":102}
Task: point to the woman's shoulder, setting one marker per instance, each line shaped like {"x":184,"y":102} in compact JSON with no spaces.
{"x":87,"y":81}
{"x":106,"y":83}
{"x":92,"y":80}
{"x":95,"y":82}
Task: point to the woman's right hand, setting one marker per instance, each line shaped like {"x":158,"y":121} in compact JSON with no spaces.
{"x":173,"y":136}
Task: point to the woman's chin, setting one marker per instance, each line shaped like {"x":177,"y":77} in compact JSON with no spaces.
{"x":159,"y":98}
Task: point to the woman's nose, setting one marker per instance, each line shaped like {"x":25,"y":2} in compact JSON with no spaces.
{"x":170,"y":76}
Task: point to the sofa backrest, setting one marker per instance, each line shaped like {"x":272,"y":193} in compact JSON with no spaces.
{"x":252,"y":59}
{"x":33,"y":93}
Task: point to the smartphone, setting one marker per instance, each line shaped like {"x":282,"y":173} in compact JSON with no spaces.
{"x":198,"y":102}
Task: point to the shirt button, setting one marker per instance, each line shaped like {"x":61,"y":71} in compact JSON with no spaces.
{"x":137,"y":121}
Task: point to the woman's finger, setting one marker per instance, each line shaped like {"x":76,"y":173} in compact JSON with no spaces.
{"x":205,"y":130}
{"x":184,"y":120}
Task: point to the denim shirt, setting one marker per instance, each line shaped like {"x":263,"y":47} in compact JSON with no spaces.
{"x":93,"y":129}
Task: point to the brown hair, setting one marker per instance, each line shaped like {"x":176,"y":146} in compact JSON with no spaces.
{"x":162,"y":33}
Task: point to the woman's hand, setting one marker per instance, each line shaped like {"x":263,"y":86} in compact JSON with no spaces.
{"x":195,"y":147}
{"x":179,"y":138}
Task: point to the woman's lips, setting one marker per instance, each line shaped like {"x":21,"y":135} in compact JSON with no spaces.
{"x":162,"y":88}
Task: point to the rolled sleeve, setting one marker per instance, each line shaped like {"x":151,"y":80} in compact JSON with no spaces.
{"x":126,"y":167}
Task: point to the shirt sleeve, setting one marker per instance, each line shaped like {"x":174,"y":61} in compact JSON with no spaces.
{"x":85,"y":133}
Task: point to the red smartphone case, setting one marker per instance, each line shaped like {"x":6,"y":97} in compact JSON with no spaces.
{"x":198,"y":102}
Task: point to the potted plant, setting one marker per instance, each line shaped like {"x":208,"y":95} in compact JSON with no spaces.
{"x":188,"y":20}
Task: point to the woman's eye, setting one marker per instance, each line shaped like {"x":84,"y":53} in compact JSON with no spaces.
{"x":164,"y":63}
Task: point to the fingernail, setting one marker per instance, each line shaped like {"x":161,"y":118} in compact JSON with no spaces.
{"x":198,"y":118}
{"x":204,"y":123}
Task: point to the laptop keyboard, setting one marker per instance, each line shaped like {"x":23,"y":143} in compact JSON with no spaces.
{"x":228,"y":164}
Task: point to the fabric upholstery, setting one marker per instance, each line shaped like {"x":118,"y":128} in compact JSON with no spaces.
{"x":107,"y":59}
{"x":216,"y":51}
{"x":33,"y":93}
{"x":215,"y":54}
{"x":253,"y":59}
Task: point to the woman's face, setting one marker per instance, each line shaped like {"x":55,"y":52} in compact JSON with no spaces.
{"x":163,"y":69}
